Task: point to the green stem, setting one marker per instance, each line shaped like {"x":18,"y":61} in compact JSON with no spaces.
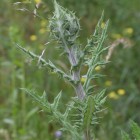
{"x":89,"y":72}
{"x":75,"y":73}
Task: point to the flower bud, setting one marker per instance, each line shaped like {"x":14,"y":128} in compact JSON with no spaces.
{"x":64,"y":25}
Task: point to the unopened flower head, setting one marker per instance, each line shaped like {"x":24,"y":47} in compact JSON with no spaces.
{"x":64,"y":25}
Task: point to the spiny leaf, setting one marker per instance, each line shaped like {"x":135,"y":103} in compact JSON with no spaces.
{"x":95,"y":76}
{"x":95,"y":38}
{"x":44,"y":97}
{"x":90,"y":90}
{"x":88,"y":114}
{"x":48,"y":64}
{"x":103,"y":37}
{"x":125,"y":136}
{"x":68,"y":109}
{"x":94,"y":59}
{"x":100,"y":95}
{"x":38,"y":99}
{"x":56,"y":101}
{"x":101,"y":62}
{"x":135,"y":130}
{"x":78,"y":102}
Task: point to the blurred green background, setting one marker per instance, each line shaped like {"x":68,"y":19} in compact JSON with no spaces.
{"x":20,"y":118}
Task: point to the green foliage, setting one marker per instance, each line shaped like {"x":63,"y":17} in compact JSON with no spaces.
{"x":125,"y":136}
{"x":93,"y":50}
{"x":25,"y":23}
{"x":64,"y":26}
{"x":85,"y":107}
{"x":52,"y":109}
{"x":135,"y":132}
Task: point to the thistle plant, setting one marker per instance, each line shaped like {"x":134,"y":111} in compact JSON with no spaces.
{"x":82,"y":111}
{"x":135,"y":132}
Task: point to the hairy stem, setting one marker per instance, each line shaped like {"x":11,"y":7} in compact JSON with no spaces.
{"x":76,"y":76}
{"x":75,"y":73}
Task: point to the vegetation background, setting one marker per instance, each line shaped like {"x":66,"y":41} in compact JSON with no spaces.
{"x":20,"y":119}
